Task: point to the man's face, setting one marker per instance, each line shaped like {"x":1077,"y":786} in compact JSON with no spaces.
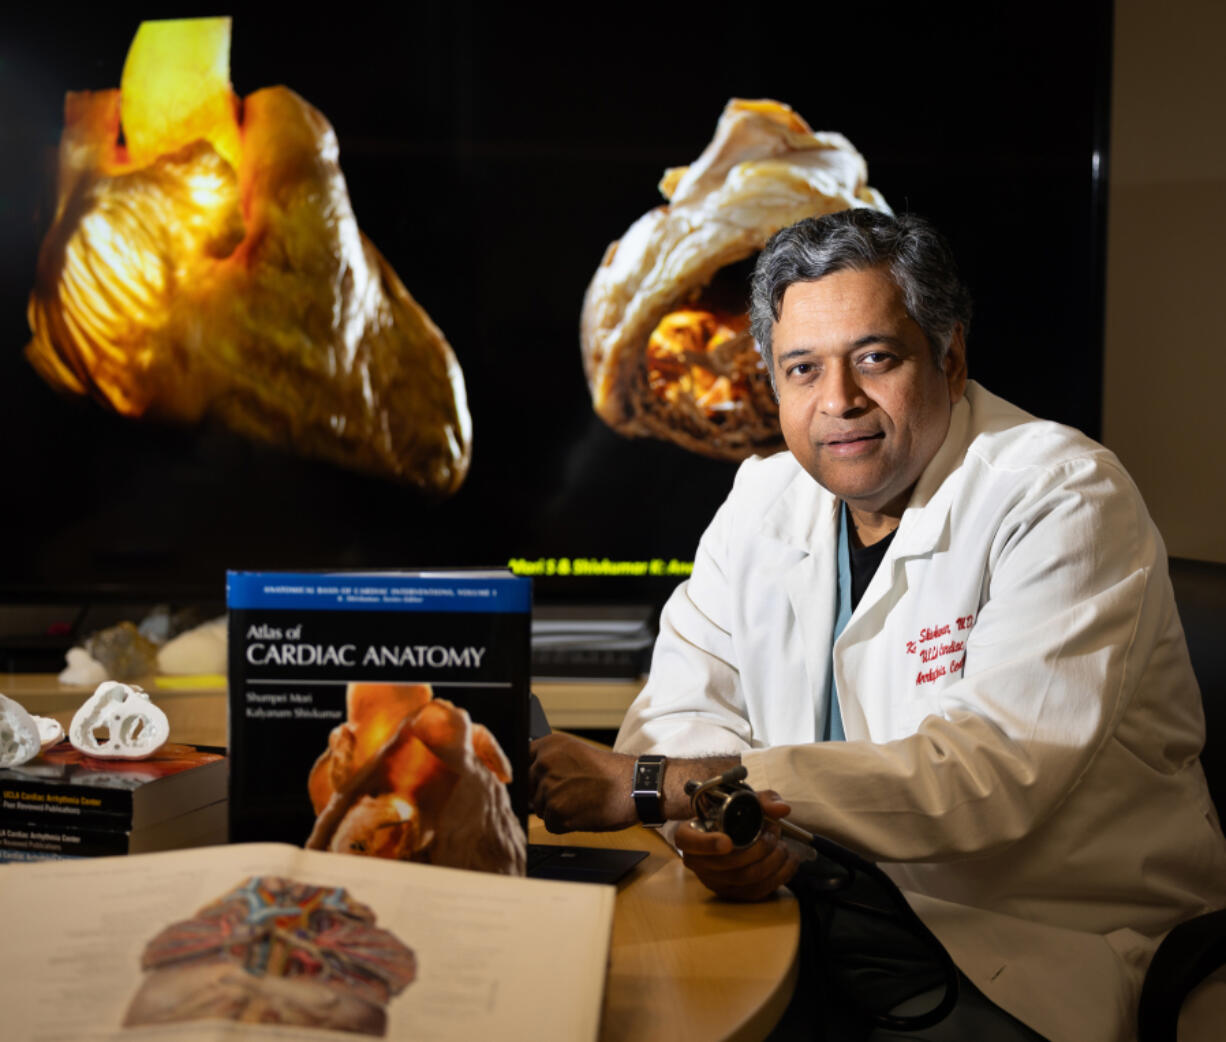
{"x":862,"y":404}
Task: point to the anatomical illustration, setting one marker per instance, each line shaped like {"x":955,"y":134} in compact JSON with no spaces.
{"x":275,"y":951}
{"x":411,"y":777}
{"x":664,"y":330}
{"x":205,"y":264}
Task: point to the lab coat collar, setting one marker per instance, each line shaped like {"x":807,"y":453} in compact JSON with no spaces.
{"x":803,"y":516}
{"x":926,"y":518}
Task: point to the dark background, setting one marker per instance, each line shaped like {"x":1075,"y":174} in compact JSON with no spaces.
{"x":492,"y":155}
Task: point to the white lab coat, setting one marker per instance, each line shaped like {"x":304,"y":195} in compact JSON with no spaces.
{"x":1023,"y":723}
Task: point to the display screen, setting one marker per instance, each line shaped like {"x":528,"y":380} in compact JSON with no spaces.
{"x":492,"y":155}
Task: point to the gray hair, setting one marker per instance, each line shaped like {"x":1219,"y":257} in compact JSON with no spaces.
{"x":911,"y":250}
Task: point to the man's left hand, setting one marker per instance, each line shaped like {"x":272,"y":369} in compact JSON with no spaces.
{"x":579,"y":786}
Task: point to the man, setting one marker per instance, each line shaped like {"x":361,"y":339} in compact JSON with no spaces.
{"x":1021,"y":720}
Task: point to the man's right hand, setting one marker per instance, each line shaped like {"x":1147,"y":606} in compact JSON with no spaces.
{"x":576,"y":786}
{"x":752,"y":873}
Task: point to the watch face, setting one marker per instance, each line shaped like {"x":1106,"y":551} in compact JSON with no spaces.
{"x":647,"y":777}
{"x":648,"y":789}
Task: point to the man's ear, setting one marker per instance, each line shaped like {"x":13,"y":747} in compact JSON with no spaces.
{"x":955,"y":364}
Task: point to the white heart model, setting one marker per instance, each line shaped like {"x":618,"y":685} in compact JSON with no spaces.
{"x":50,"y":731}
{"x":19,"y":739}
{"x":135,"y":727}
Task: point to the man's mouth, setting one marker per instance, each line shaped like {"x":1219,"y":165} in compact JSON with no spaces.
{"x":852,"y":438}
{"x":851,"y":443}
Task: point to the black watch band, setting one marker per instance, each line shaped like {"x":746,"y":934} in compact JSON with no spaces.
{"x":647,"y":789}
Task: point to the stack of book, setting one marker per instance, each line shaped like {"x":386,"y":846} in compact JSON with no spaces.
{"x":67,"y":805}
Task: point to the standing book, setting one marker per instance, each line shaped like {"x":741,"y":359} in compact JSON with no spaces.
{"x":325,"y":667}
{"x":264,"y":941}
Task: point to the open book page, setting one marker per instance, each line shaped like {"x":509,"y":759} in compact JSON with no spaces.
{"x":266,"y":941}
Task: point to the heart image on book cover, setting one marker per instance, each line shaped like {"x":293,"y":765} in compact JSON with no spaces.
{"x":383,"y":714}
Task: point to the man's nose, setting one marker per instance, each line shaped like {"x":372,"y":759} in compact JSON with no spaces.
{"x":840,"y":392}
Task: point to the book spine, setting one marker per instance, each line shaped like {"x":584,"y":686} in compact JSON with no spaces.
{"x":85,"y":822}
{"x":35,"y":842}
{"x":66,"y":804}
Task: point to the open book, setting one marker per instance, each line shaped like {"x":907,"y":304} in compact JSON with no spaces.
{"x":267,"y":941}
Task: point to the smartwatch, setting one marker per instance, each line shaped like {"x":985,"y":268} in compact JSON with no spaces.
{"x":647,"y":790}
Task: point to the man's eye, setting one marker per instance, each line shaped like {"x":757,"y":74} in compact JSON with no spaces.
{"x":876,"y":359}
{"x":800,"y":369}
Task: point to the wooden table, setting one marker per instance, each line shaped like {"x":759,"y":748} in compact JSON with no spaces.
{"x":682,"y":965}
